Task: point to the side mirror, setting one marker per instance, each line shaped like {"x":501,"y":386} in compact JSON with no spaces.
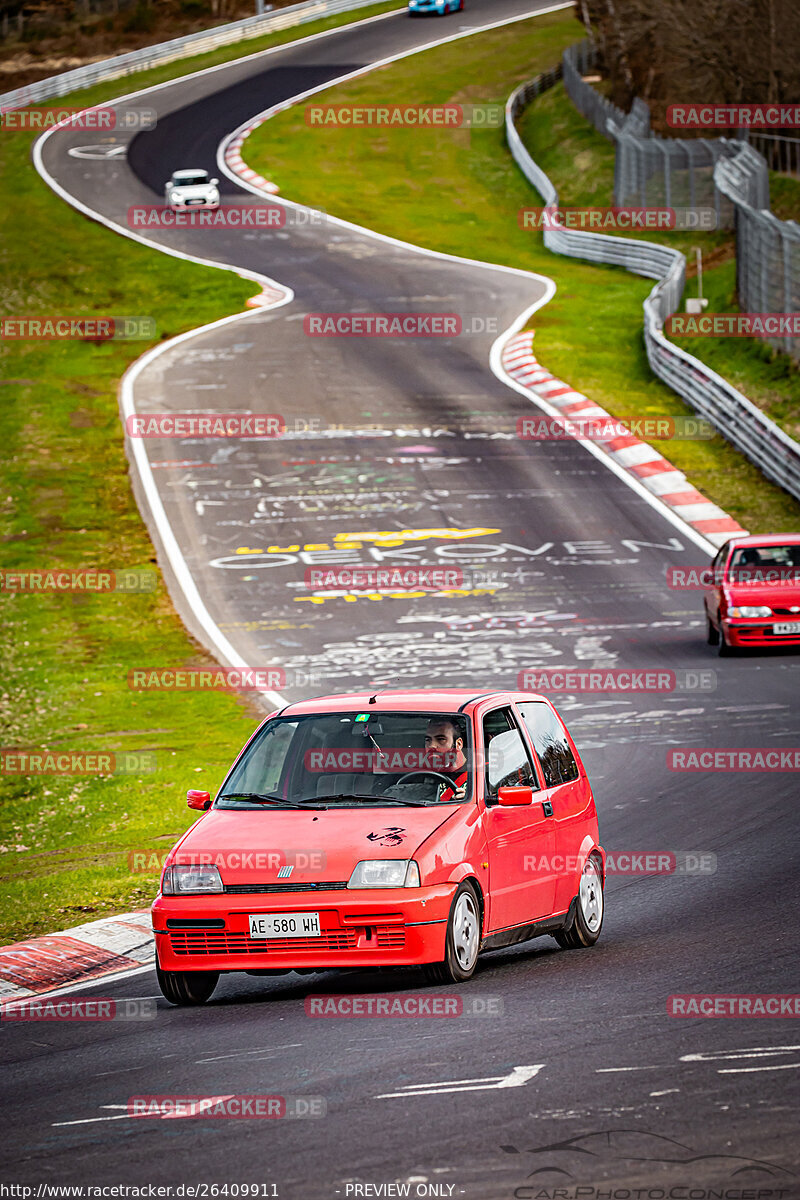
{"x":201,"y":800}
{"x":515,"y":795}
{"x":214,"y":182}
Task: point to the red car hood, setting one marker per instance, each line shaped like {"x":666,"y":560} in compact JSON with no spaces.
{"x":775,"y":595}
{"x":251,"y":846}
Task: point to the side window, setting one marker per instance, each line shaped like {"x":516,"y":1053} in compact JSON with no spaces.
{"x":507,"y":762}
{"x":262,"y":770}
{"x":718,"y":564}
{"x":550,"y":743}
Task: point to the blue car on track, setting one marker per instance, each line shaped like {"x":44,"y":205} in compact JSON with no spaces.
{"x":434,"y":6}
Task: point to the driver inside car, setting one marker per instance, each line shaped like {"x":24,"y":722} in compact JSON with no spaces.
{"x":444,"y":748}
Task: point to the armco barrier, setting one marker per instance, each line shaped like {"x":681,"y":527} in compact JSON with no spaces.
{"x":731,"y":413}
{"x":182,"y":47}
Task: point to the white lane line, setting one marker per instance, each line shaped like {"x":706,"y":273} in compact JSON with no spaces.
{"x":666,"y":1092}
{"x":746,"y":1052}
{"x":198,"y":1106}
{"x":608,"y":1070}
{"x":89,"y":1120}
{"x":261,"y":1050}
{"x":518,"y":1077}
{"x":749,"y":1070}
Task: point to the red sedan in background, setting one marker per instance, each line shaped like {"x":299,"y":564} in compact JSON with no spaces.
{"x":753,"y":593}
{"x":407,"y":828}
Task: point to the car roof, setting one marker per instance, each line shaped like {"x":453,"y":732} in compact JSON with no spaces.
{"x":764,"y":539}
{"x":189,"y":171}
{"x":449,"y":700}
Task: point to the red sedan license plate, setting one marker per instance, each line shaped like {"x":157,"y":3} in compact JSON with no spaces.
{"x":284,"y":925}
{"x":786,"y":627}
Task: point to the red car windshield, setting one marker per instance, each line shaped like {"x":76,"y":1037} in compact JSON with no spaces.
{"x":353,"y":759}
{"x":765,"y":564}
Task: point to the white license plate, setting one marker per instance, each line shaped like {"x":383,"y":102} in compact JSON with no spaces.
{"x":284,"y":925}
{"x":786,"y":627}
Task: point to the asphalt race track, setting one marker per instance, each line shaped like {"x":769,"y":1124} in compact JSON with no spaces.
{"x":397,"y":436}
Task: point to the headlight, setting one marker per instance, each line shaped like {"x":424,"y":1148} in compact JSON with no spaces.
{"x":752,"y":610}
{"x":385,"y":872}
{"x":175,"y":198}
{"x":190,"y":880}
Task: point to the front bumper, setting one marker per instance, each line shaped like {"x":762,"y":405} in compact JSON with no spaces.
{"x":377,"y":927}
{"x":755,"y":632}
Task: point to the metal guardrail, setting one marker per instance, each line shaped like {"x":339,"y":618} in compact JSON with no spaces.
{"x":182,"y":47}
{"x":731,"y":413}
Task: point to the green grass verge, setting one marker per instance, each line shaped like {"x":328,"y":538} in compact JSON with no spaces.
{"x":460,"y":192}
{"x":66,"y":500}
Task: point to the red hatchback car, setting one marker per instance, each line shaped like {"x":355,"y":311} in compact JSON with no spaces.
{"x":753,"y":593}
{"x":408,"y":828}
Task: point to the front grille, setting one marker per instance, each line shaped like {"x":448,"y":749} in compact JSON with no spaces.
{"x":198,"y":941}
{"x":391,"y":938}
{"x":248,"y":889}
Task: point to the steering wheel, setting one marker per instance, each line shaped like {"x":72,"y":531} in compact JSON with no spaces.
{"x":435,"y":774}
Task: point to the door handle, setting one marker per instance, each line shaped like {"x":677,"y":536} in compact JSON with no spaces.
{"x":547,"y":808}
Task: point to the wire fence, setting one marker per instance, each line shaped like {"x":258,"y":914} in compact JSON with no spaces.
{"x":767,"y":250}
{"x":731,"y":413}
{"x":649,"y":170}
{"x":182,"y":47}
{"x":781,"y":154}
{"x":727,"y":174}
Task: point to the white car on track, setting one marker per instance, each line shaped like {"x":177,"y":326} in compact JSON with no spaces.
{"x":192,"y":189}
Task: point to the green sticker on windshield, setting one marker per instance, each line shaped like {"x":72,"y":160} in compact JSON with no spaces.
{"x":363,"y":716}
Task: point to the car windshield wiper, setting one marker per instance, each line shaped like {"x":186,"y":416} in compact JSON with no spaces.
{"x":263,"y":798}
{"x":380,"y":800}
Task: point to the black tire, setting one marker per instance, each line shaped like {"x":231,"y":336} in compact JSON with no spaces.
{"x":724,"y":649}
{"x":186,"y":988}
{"x":712,"y":633}
{"x":582,"y":930}
{"x":458,"y":967}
